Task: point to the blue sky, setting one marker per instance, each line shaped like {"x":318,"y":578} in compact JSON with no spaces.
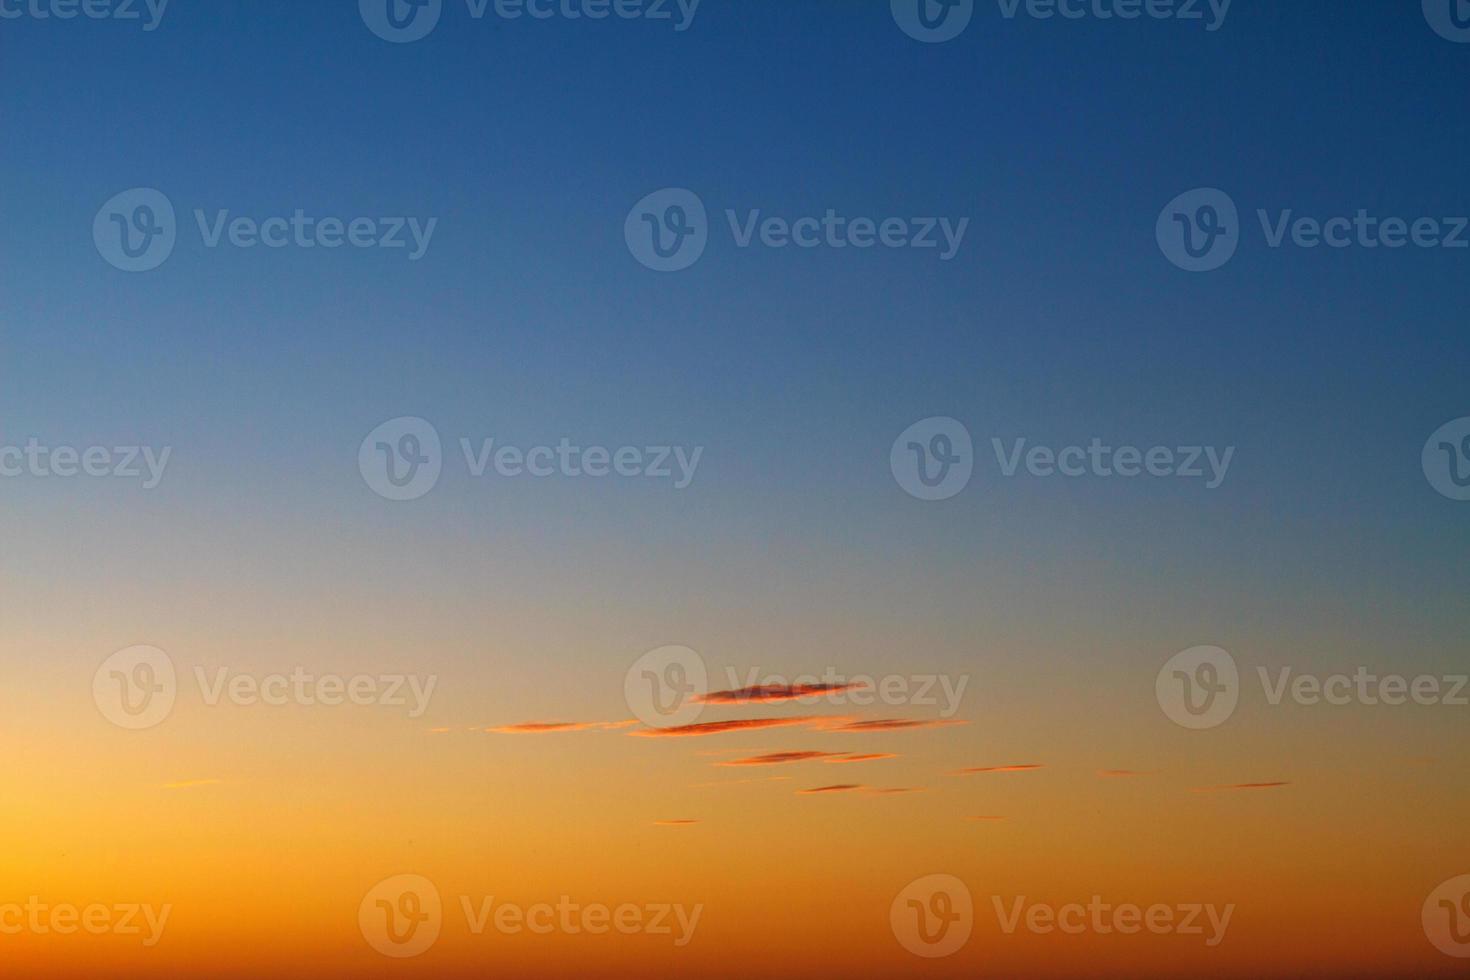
{"x":528,"y":319}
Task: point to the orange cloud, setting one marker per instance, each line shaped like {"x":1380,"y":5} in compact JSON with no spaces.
{"x":1238,"y":786}
{"x":674,"y":823}
{"x":774,"y":693}
{"x":883,"y":724}
{"x":977,"y":770}
{"x":863,"y":757}
{"x":1120,"y":773}
{"x":720,"y":727}
{"x":551,"y":727}
{"x":779,"y":758}
{"x":860,"y":788}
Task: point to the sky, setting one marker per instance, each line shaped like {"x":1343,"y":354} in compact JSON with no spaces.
{"x":774,"y":402}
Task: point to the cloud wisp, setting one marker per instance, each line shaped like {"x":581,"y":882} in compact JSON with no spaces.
{"x":982,"y":770}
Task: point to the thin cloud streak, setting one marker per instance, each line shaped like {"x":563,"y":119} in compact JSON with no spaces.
{"x":981,"y":770}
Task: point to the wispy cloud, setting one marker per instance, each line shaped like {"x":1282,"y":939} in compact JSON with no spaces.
{"x":675,"y":823}
{"x":980,"y":770}
{"x":774,"y":693}
{"x":862,"y":757}
{"x":554,"y":727}
{"x":819,"y":723}
{"x":779,"y":758}
{"x":860,"y":788}
{"x":1237,"y":786}
{"x":1121,"y":773}
{"x":885,"y":724}
{"x":721,"y":727}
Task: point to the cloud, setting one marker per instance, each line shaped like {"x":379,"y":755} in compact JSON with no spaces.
{"x":774,"y":693}
{"x":1121,"y":773}
{"x":979,"y":770}
{"x":721,"y":727}
{"x":675,"y":823}
{"x":862,"y":757}
{"x":192,"y":783}
{"x":884,"y":724}
{"x":779,"y":758}
{"x":819,"y":723}
{"x":860,"y":788}
{"x":1237,"y":786}
{"x":553,"y":727}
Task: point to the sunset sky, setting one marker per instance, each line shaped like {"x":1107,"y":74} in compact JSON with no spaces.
{"x":1044,"y":607}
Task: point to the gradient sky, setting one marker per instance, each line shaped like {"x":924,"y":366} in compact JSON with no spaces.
{"x":794,"y":550}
